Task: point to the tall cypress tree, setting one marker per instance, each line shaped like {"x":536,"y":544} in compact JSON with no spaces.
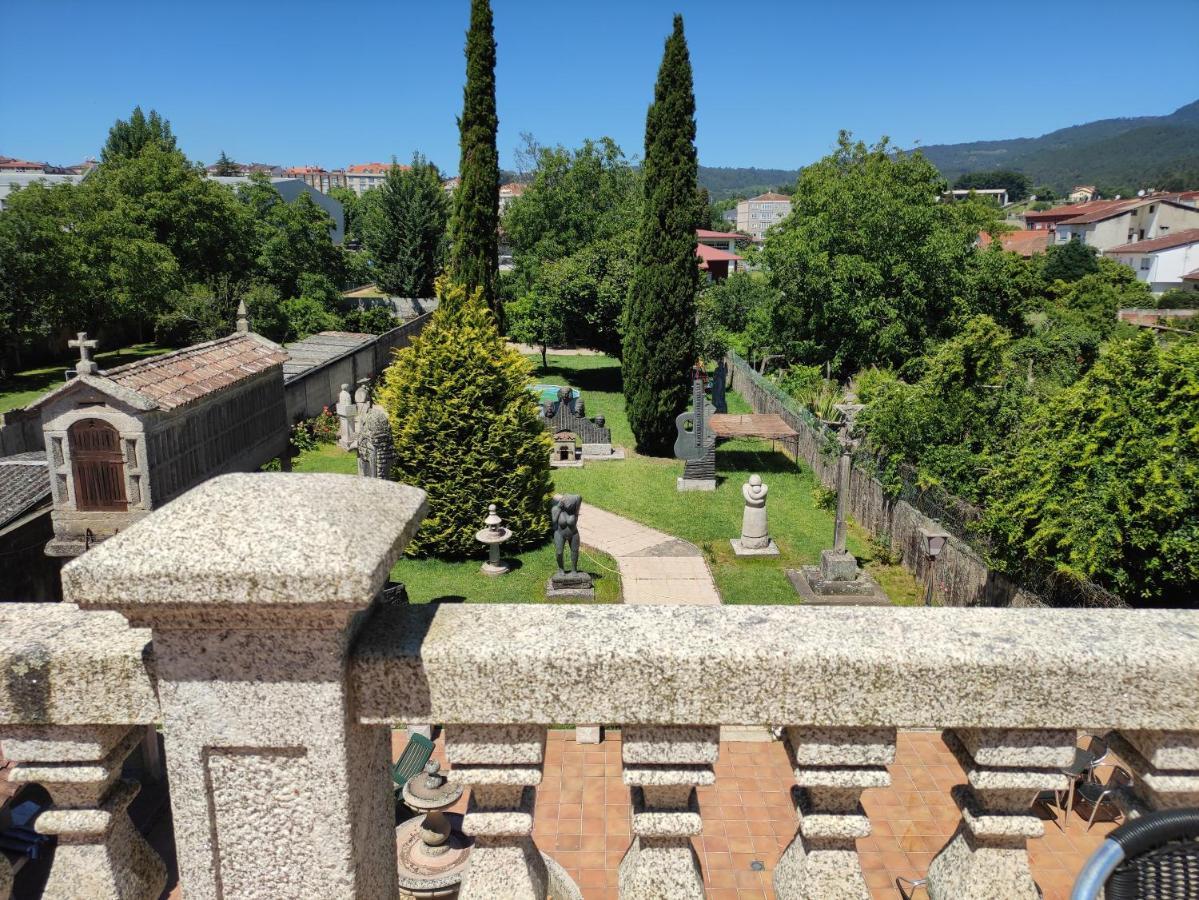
{"x":475,"y":258}
{"x":659,"y":335}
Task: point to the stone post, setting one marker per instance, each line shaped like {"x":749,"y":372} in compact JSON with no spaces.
{"x":832,"y":768}
{"x":1164,"y":766}
{"x":100,"y":854}
{"x":347,"y":412}
{"x":502,"y":765}
{"x":987,"y":857}
{"x":662,"y":766}
{"x":255,"y":585}
{"x":841,"y":528}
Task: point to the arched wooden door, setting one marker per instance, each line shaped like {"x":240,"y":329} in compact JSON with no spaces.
{"x":97,"y":466}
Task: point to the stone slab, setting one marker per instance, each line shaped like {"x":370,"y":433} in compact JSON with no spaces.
{"x":296,"y":541}
{"x":559,"y":593}
{"x":841,"y":746}
{"x":770,"y":549}
{"x":656,"y":744}
{"x":588,"y":734}
{"x":1037,"y":748}
{"x":695,"y":484}
{"x":496,"y":745}
{"x":836,"y":566}
{"x":799,"y":580}
{"x":1166,"y":749}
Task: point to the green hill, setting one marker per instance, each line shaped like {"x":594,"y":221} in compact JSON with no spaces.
{"x":1119,"y":154}
{"x":724,"y":183}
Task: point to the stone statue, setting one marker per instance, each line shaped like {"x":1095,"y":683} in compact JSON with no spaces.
{"x":755,"y":534}
{"x":376,"y":446}
{"x":564,"y":516}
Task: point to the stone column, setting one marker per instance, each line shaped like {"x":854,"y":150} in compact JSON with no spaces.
{"x":832,"y":768}
{"x":502,"y":766}
{"x":987,"y":857}
{"x":841,"y":527}
{"x":663,"y":764}
{"x":100,"y":854}
{"x":1164,"y":766}
{"x":255,"y":590}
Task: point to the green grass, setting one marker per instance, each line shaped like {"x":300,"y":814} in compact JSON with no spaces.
{"x":643,"y":488}
{"x":459,"y":581}
{"x":22,"y":388}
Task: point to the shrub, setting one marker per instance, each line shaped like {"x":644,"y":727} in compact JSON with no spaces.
{"x":467,"y":429}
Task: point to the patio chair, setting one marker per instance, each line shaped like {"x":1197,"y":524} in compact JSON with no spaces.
{"x":412,"y":760}
{"x":1155,"y":857}
{"x":1097,"y":793}
{"x":1093,"y":752}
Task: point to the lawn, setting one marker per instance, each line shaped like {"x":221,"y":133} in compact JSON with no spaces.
{"x":23,"y":388}
{"x":643,"y":488}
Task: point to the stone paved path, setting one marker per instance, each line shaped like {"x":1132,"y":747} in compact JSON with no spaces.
{"x":654,"y":567}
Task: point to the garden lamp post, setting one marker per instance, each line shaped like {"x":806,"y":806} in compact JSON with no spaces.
{"x":931,"y":544}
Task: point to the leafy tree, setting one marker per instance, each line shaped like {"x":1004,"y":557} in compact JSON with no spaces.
{"x":1069,"y":261}
{"x":189,"y":316}
{"x":869,"y":263}
{"x":1045,"y":193}
{"x":659,"y":334}
{"x":1016,"y":183}
{"x":369,"y":320}
{"x":351,"y":207}
{"x":403,"y":229}
{"x":1005,"y":286}
{"x":1178,"y":298}
{"x":1093,"y":300}
{"x":735,"y":313}
{"x":467,"y":429}
{"x":127,"y":139}
{"x":225,"y":166}
{"x":1100,"y":481}
{"x":537,"y":319}
{"x":292,"y":239}
{"x":475,"y":254}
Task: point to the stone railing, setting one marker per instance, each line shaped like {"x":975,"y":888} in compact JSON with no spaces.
{"x":277,"y":676}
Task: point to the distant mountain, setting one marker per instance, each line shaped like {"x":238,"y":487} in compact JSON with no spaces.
{"x":1119,"y":154}
{"x":723,"y":183}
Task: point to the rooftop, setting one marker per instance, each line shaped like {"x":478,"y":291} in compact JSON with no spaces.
{"x":1153,"y":245}
{"x":771,"y":196}
{"x":702,"y":233}
{"x":713,"y":254}
{"x":1026,"y":243}
{"x":24,"y":484}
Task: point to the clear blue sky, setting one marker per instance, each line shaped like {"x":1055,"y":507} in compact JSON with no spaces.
{"x":336,"y":83}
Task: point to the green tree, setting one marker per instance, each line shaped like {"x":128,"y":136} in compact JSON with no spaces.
{"x":127,"y":139}
{"x":351,"y":207}
{"x":475,"y":232}
{"x":403,"y":229}
{"x":539,"y":320}
{"x":1100,"y":482}
{"x":734,"y":313}
{"x":659,"y":334}
{"x":1005,"y":286}
{"x":870,"y":263}
{"x":225,"y":166}
{"x":467,"y":429}
{"x":1069,"y":262}
{"x":291,"y":239}
{"x":1017,"y":183}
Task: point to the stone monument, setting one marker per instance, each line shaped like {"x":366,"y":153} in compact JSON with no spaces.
{"x":376,"y":445}
{"x":696,"y":442}
{"x":564,"y":519}
{"x":755,"y":534}
{"x":566,"y":419}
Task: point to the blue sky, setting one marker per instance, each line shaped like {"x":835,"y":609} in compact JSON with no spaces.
{"x":336,"y":83}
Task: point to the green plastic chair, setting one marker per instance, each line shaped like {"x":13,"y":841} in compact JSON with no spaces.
{"x":412,"y":760}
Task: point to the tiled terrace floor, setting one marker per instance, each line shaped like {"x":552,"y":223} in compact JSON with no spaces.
{"x":582,"y":818}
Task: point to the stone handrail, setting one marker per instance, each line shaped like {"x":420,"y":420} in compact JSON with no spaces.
{"x":278,"y":675}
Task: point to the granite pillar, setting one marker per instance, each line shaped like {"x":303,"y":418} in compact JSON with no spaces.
{"x":987,"y":857}
{"x":255,"y":591}
{"x":100,"y":854}
{"x":1164,"y":766}
{"x":502,"y":766}
{"x":832,"y":768}
{"x":663,"y":764}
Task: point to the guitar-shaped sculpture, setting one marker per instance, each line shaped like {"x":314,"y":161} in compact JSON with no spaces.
{"x":696,"y":445}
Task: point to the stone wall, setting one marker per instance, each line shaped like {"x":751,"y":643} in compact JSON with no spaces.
{"x":20,"y":432}
{"x":962,"y":578}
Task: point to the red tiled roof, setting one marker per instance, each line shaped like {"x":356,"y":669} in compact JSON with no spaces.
{"x":1026,"y":243}
{"x":174,"y":379}
{"x":515,"y":188}
{"x":371,"y":168}
{"x":1067,"y":212}
{"x":771,"y":195}
{"x":22,"y":164}
{"x":714,"y":254}
{"x":1178,"y":239}
{"x":1191,"y":276}
{"x":732,"y":235}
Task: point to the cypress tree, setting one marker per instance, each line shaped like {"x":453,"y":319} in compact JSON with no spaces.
{"x":404,"y":229}
{"x":659,"y":335}
{"x":475,"y":258}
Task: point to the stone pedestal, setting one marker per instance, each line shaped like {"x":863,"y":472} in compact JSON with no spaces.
{"x":502,"y":765}
{"x":987,"y":857}
{"x":695,"y":484}
{"x":832,"y":767}
{"x":255,"y":593}
{"x":570,"y":584}
{"x":837,"y":581}
{"x":100,"y":854}
{"x":662,"y":766}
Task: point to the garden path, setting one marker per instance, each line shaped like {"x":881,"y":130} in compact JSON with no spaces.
{"x":655,"y":567}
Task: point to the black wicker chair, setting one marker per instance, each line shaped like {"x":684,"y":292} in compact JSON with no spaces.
{"x":1155,"y":857}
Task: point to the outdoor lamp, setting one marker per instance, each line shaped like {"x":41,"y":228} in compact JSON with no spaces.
{"x":932,"y":542}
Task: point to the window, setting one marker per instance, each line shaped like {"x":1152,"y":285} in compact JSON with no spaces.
{"x":1151,"y":209}
{"x":1145,"y":262}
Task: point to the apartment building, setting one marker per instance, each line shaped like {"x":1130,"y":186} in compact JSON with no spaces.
{"x":361,"y":177}
{"x":758,"y":213}
{"x":317,"y":178}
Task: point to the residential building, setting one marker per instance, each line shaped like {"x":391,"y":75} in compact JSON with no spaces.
{"x":1127,"y":221}
{"x":361,"y":177}
{"x":1048,"y":219}
{"x":509,"y":192}
{"x":450,"y":185}
{"x":253,"y":168}
{"x":290,"y":189}
{"x":999,"y":195}
{"x":716,"y":252}
{"x":758,"y":213}
{"x":8,"y":165}
{"x":1026,"y":243}
{"x":9,"y":181}
{"x":1190,"y":281}
{"x":1084,"y":193}
{"x":1162,"y":262}
{"x":320,"y":179}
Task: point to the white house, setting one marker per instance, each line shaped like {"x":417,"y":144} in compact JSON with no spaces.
{"x":1163,"y":262}
{"x":1139,"y":219}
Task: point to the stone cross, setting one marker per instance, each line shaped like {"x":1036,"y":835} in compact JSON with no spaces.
{"x":86,"y":365}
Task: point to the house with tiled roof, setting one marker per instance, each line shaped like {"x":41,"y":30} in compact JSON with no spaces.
{"x":1115,"y":223}
{"x":1084,"y":193}
{"x":321,"y":179}
{"x":361,"y":177}
{"x":1025,"y":242}
{"x":1165,"y":262}
{"x":122,"y":442}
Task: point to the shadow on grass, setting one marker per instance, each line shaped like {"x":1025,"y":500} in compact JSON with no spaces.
{"x":600,"y":378}
{"x":754,"y":461}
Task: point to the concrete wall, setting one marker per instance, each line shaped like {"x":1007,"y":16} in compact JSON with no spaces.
{"x":962,"y":578}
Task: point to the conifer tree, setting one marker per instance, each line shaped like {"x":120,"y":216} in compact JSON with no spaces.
{"x":224,"y":165}
{"x":659,"y":335}
{"x":127,"y":138}
{"x":403,"y":228}
{"x":467,"y":430}
{"x":475,"y":233}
